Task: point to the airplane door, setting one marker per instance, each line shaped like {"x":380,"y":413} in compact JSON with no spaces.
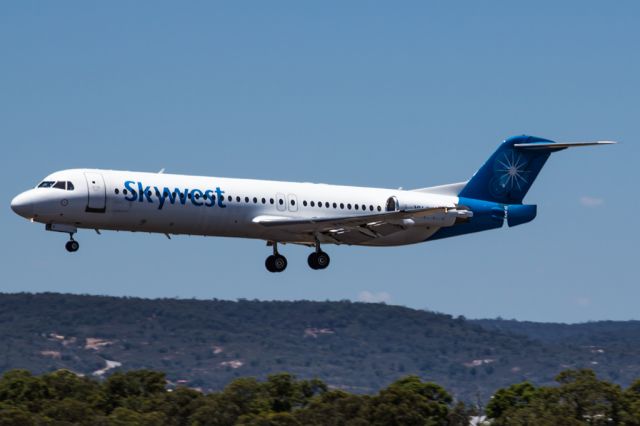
{"x":293,"y":203}
{"x":281,"y":202}
{"x":97,"y":192}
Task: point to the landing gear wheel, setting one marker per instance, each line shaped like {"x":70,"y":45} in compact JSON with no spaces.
{"x":72,"y":246}
{"x":276,"y":263}
{"x":270,"y":263}
{"x":280,"y":263}
{"x":318,"y":260}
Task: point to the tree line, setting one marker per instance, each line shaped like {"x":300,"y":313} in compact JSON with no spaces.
{"x":142,"y":397}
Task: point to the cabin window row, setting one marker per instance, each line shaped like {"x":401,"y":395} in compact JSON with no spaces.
{"x":342,"y":206}
{"x":272,"y":201}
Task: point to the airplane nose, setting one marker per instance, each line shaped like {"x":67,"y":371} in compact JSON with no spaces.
{"x":22,"y":204}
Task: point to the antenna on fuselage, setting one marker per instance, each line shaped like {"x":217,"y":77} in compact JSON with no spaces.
{"x":161,"y":171}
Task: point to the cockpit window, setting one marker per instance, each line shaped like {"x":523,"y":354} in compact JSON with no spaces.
{"x":60,"y":184}
{"x":70,"y":186}
{"x":46,"y":184}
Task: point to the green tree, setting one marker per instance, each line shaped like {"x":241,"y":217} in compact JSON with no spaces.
{"x":178,"y":405}
{"x":69,"y":410}
{"x":21,"y":388}
{"x":63,"y":384}
{"x":511,"y":398}
{"x":632,"y":399}
{"x":587,"y":398}
{"x":579,"y":399}
{"x":15,"y":416}
{"x":131,"y":389}
{"x":337,"y":408}
{"x":285,"y":393}
{"x":409,"y":401}
{"x":125,"y":417}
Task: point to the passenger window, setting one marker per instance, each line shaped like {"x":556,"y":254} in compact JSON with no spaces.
{"x":357,"y":207}
{"x":60,"y":185}
{"x":293,"y":202}
{"x":313,"y":204}
{"x":342,"y":206}
{"x":304,"y":203}
{"x":238,"y":199}
{"x":230,"y":198}
{"x":271,"y":200}
{"x":326,"y":204}
{"x":281,"y":201}
{"x":379,"y":208}
{"x":117,"y":191}
{"x":371,"y":207}
{"x":264,"y":200}
{"x":255,"y":200}
{"x":349,"y":206}
{"x":46,"y":184}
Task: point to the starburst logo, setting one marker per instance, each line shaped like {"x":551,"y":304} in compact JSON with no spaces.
{"x":511,"y":172}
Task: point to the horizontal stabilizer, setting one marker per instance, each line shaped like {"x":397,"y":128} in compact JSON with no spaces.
{"x":543,"y":146}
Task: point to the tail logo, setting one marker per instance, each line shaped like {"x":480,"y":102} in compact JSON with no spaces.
{"x":510,"y":174}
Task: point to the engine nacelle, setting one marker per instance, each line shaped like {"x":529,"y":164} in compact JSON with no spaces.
{"x":517,"y":214}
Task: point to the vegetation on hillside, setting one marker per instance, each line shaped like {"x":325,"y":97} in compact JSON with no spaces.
{"x":141,"y":398}
{"x":357,"y":347}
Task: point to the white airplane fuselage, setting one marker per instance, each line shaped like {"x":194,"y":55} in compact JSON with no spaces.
{"x":288,"y":212}
{"x":211,"y":206}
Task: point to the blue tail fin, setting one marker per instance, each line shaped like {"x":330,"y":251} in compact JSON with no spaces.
{"x":509,"y":173}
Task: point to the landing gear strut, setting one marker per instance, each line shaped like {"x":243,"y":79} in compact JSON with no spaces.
{"x":318,"y":259}
{"x":276,"y":262}
{"x":72,"y":245}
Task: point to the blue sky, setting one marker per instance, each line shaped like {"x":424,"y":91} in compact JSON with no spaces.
{"x":387,"y":94}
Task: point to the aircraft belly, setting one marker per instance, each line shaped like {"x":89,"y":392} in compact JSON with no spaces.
{"x":409,"y":236}
{"x":353,"y":237}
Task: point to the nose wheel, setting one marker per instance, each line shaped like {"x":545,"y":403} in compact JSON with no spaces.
{"x":276,"y":262}
{"x":318,"y":259}
{"x":72,"y":245}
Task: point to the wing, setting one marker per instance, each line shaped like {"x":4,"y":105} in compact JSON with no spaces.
{"x":347,"y":229}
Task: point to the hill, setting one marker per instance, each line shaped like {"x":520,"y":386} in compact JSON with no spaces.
{"x":353,"y":346}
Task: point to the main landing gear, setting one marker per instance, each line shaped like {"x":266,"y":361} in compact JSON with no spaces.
{"x":72,"y":245}
{"x":318,"y":259}
{"x":276,"y":262}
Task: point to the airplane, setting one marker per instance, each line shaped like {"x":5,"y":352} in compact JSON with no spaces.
{"x":308,"y":214}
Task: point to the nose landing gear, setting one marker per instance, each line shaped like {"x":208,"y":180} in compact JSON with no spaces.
{"x":71,"y":245}
{"x":276,"y":262}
